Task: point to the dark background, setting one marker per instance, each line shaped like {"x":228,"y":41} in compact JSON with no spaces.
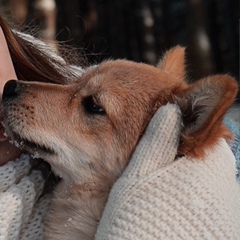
{"x":140,"y":30}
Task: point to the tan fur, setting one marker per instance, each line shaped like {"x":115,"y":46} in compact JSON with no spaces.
{"x":90,"y":151}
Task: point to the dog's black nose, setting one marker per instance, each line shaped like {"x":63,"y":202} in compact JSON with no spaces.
{"x":10,"y":90}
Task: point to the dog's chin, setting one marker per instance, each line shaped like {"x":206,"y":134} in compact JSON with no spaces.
{"x":33,"y":147}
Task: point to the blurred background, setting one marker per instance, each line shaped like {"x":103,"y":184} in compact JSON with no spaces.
{"x":139,"y":30}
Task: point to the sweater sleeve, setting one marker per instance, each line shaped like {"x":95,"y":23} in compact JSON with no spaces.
{"x":158,"y":197}
{"x":20,"y":203}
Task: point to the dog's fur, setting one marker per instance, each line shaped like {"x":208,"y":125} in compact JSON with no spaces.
{"x":87,"y":130}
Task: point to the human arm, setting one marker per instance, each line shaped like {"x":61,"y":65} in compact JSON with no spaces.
{"x":160,"y":197}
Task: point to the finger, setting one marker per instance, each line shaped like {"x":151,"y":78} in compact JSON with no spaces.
{"x":159,"y":144}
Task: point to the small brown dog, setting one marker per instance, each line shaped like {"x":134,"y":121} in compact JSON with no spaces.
{"x":87,"y":130}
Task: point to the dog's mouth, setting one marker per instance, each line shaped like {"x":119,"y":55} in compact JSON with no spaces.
{"x":36,"y":149}
{"x":3,"y":136}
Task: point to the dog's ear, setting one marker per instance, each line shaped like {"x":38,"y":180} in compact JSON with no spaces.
{"x":203,"y":106}
{"x":173,"y":62}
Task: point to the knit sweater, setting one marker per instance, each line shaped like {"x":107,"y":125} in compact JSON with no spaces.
{"x":21,"y":208}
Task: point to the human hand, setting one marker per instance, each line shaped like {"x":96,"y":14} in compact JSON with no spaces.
{"x":7,"y":150}
{"x":161,"y":197}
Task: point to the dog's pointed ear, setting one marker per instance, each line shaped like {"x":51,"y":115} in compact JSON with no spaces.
{"x":203,"y":106}
{"x":173,"y":62}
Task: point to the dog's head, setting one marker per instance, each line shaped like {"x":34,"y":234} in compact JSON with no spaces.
{"x":91,"y":126}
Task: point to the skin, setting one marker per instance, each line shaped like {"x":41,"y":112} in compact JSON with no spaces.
{"x":8,"y":152}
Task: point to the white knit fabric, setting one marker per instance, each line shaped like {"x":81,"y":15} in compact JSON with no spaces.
{"x":158,"y":197}
{"x":21,"y":208}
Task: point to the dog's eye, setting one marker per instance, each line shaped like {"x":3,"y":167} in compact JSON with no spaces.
{"x":92,"y":106}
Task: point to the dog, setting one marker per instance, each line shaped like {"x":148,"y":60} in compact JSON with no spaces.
{"x":87,"y":130}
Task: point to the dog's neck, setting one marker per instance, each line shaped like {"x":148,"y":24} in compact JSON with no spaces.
{"x":82,"y":174}
{"x":83,"y":203}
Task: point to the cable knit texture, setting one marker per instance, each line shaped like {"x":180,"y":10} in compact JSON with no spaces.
{"x":158,"y":197}
{"x":20,"y":216}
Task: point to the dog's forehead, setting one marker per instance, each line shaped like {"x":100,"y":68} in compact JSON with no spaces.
{"x":121,"y":74}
